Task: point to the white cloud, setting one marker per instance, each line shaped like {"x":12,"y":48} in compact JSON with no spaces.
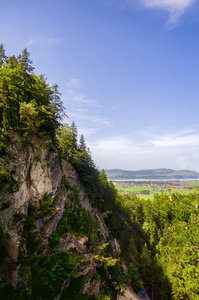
{"x":43,"y":40}
{"x":176,"y":8}
{"x":180,"y":141}
{"x":178,"y":150}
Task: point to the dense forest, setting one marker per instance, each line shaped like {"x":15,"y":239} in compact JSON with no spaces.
{"x":159,"y":239}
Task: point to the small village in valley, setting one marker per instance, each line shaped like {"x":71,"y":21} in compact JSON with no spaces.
{"x":147,"y":189}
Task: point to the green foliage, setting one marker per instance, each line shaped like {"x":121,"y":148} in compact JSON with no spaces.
{"x":4,"y":138}
{"x":132,"y":255}
{"x":54,"y":240}
{"x":3,"y":251}
{"x":68,"y":142}
{"x":4,"y":175}
{"x":167,"y":261}
{"x":74,"y":289}
{"x":133,"y":276}
{"x":48,"y":277}
{"x":13,"y":185}
{"x":145,"y":192}
{"x":104,"y":258}
{"x":42,"y":275}
{"x":27,"y":103}
{"x":25,"y":288}
{"x":25,"y":140}
{"x":47,"y":206}
{"x":66,"y":183}
{"x":81,"y":222}
{"x":19,"y":217}
{"x":114,"y":277}
{"x":62,"y":226}
{"x":80,"y":157}
{"x":179,"y":256}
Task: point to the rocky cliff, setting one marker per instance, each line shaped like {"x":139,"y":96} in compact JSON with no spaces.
{"x":54,"y":244}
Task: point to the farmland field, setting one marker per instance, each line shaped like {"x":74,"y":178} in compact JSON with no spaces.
{"x":147,"y":190}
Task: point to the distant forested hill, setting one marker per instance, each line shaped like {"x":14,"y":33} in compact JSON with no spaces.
{"x":151,"y":174}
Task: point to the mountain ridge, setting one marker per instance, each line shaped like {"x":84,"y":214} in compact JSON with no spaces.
{"x":151,"y":173}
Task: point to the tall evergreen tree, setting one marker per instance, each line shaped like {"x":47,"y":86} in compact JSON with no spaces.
{"x":21,"y":90}
{"x":2,"y":55}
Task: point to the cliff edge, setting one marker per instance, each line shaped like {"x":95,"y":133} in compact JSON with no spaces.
{"x":54,"y":244}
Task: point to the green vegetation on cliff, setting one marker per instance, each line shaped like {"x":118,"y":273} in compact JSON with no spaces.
{"x":28,"y":104}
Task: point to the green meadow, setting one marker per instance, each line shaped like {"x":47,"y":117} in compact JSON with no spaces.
{"x":148,"y":190}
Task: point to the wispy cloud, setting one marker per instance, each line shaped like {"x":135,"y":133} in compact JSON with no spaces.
{"x":43,"y":40}
{"x":82,"y":100}
{"x":74,"y":83}
{"x":86,"y":116}
{"x":176,"y":8}
{"x":87,"y":113}
{"x":78,"y":100}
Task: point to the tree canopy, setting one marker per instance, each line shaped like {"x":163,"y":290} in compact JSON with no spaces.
{"x":27,"y":103}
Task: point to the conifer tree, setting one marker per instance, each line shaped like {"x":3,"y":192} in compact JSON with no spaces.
{"x":20,"y":90}
{"x":2,"y":55}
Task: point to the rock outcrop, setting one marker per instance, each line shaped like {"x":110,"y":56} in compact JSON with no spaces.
{"x":46,"y":212}
{"x":34,"y":170}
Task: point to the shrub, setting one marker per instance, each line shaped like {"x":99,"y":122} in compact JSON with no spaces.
{"x":4,"y":174}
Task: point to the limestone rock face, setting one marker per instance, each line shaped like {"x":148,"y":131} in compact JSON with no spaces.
{"x":129,"y":295}
{"x":34,"y":170}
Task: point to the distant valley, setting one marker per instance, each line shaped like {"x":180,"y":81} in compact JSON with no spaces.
{"x":119,"y":174}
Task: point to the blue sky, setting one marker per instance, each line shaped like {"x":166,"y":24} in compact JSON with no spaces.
{"x":128,"y":72}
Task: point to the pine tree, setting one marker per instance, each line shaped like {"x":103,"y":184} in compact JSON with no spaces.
{"x":2,"y":55}
{"x":21,"y":89}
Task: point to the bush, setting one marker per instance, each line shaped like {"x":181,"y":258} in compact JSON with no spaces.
{"x":53,"y":239}
{"x":48,"y":277}
{"x":46,"y":206}
{"x":4,"y":138}
{"x":3,"y":251}
{"x":4,"y":174}
{"x":25,"y":140}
